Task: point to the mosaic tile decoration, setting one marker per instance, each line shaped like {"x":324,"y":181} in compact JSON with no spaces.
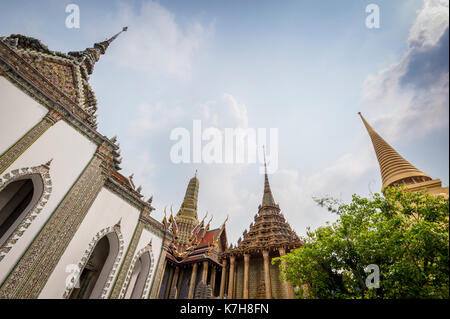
{"x":59,"y":74}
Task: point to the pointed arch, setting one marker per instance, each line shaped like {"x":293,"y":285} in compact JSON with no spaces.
{"x":110,"y":237}
{"x":140,"y":286}
{"x":31,"y":188}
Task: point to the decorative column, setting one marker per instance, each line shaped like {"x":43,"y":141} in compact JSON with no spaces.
{"x":168,"y":283}
{"x":223,"y":278}
{"x":213,"y":279}
{"x":246,"y":264}
{"x":289,"y":293}
{"x":163,"y":270}
{"x":205,"y":272}
{"x":13,"y":153}
{"x":180,"y":281}
{"x":173,"y":284}
{"x":231,"y":277}
{"x":119,"y":289}
{"x":160,"y":270}
{"x":267,"y":275}
{"x":192,"y":282}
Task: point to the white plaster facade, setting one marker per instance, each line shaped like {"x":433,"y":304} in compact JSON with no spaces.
{"x":70,"y":152}
{"x":156,"y":243}
{"x":107,"y":210}
{"x":18,"y":113}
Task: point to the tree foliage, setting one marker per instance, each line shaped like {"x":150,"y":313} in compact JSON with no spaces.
{"x":405,"y":234}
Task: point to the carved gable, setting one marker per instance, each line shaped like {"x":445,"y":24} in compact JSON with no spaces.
{"x":59,"y":74}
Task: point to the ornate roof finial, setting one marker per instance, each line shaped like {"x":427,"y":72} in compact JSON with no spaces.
{"x":117,"y":225}
{"x":267,"y":197}
{"x":90,"y":56}
{"x":210,"y":220}
{"x":102,"y":46}
{"x":164,"y":221}
{"x":265,"y":166}
{"x":108,"y":42}
{"x":393,"y":167}
{"x":226,"y":219}
{"x":130,"y":178}
{"x":48,"y":163}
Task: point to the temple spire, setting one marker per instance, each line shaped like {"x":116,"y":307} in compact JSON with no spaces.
{"x":105,"y":44}
{"x":189,"y":206}
{"x":267,"y":197}
{"x":394,"y":168}
{"x":90,"y":56}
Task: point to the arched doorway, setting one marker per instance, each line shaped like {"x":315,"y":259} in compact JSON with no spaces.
{"x":17,"y":199}
{"x":139,"y":277}
{"x":95,"y":273}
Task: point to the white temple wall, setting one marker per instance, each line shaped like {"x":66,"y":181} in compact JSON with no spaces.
{"x":108,"y":208}
{"x":146,"y":237}
{"x":18,"y":114}
{"x":71,"y":152}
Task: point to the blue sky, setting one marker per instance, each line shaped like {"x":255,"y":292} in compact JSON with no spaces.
{"x":304,"y":67}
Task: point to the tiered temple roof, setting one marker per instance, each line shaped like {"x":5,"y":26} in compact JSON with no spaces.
{"x":269,"y":231}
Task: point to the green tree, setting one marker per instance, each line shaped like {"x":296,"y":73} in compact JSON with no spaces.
{"x":405,"y":234}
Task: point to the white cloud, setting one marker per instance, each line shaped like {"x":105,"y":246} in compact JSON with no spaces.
{"x":430,"y":22}
{"x":153,"y":118}
{"x":294,"y":190}
{"x":221,"y":189}
{"x":410,"y":97}
{"x":225,"y":112}
{"x":155,"y":43}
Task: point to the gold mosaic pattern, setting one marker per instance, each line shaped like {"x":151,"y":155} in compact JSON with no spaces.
{"x":59,"y":74}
